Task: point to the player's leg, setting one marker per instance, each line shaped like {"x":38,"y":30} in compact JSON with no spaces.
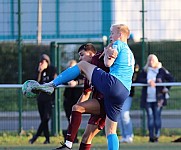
{"x":89,"y":106}
{"x":112,"y":138}
{"x":68,"y":110}
{"x":89,"y":134}
{"x":113,"y":102}
{"x":121,"y":127}
{"x":96,"y":123}
{"x":66,"y":76}
{"x":71,"y":73}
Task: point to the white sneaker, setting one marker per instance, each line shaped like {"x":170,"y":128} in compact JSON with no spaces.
{"x":128,"y":139}
{"x":46,"y":88}
{"x":122,"y":140}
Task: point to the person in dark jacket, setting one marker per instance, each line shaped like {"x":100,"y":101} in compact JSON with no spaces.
{"x":71,"y":96}
{"x":154,"y":97}
{"x":44,"y":74}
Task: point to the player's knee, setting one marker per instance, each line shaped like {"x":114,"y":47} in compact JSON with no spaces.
{"x":77,"y":107}
{"x":82,"y":65}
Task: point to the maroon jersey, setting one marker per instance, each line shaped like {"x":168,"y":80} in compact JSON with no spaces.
{"x":99,"y":62}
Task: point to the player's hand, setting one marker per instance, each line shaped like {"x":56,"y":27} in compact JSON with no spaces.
{"x":72,"y":83}
{"x":105,"y":48}
{"x":111,"y":53}
{"x":103,"y":53}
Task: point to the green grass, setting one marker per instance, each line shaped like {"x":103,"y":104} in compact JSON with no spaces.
{"x":99,"y":143}
{"x":102,"y":147}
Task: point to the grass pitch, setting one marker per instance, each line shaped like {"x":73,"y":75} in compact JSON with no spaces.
{"x":99,"y":143}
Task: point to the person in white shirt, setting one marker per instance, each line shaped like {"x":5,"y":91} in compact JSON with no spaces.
{"x":154,"y":97}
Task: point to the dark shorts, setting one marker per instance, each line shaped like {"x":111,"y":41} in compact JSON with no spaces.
{"x":115,"y":93}
{"x":99,"y":119}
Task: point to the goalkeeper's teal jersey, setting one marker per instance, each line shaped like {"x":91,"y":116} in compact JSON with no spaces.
{"x":123,"y":66}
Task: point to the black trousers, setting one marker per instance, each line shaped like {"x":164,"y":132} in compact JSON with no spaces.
{"x":45,"y":110}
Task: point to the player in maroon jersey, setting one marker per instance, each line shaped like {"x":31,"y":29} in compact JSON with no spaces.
{"x":93,"y":106}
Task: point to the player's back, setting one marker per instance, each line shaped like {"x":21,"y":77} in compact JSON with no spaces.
{"x":99,"y":62}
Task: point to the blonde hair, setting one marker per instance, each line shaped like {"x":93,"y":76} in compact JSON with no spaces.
{"x":71,"y":63}
{"x":158,"y":64}
{"x":123,"y":29}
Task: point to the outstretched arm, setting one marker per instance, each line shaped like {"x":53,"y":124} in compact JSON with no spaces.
{"x":110,"y":56}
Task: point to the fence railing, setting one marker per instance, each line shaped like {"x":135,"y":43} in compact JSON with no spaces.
{"x":15,"y":118}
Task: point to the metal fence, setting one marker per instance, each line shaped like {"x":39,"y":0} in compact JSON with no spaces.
{"x":70,"y":22}
{"x":88,"y":19}
{"x":17,"y":115}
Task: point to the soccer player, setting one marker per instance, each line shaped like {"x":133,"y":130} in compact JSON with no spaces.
{"x":114,"y":85}
{"x":94,"y":106}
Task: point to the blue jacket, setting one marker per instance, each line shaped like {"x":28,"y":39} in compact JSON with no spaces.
{"x":162,"y":76}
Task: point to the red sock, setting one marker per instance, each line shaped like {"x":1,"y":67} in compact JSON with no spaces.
{"x":84,"y":146}
{"x":75,"y":121}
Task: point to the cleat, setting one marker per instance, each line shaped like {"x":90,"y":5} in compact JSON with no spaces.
{"x":43,"y":88}
{"x":63,"y":147}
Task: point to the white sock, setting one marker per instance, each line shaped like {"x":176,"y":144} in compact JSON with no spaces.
{"x":68,"y":144}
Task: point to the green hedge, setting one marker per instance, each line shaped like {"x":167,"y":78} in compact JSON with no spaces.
{"x":168,"y":52}
{"x":9,"y":61}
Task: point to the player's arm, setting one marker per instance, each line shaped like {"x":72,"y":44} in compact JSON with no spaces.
{"x":84,"y":97}
{"x":110,"y":56}
{"x":86,"y":91}
{"x":55,"y":75}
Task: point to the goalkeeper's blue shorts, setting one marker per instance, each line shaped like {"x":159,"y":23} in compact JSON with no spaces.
{"x":115,"y":93}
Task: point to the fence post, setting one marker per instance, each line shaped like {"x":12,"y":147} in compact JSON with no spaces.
{"x":19,"y":65}
{"x":143,"y":56}
{"x":58,"y":90}
{"x":54,"y":124}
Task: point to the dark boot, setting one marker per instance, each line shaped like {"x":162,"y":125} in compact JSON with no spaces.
{"x":152,"y":140}
{"x":46,"y":142}
{"x":177,"y":140}
{"x":33,"y":139}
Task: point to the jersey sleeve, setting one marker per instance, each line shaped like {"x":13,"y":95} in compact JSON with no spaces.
{"x":117,"y":45}
{"x":87,"y":87}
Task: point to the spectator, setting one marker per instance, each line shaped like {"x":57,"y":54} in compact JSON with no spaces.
{"x":125,"y":122}
{"x":71,"y":96}
{"x":44,"y":73}
{"x":154,"y":97}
